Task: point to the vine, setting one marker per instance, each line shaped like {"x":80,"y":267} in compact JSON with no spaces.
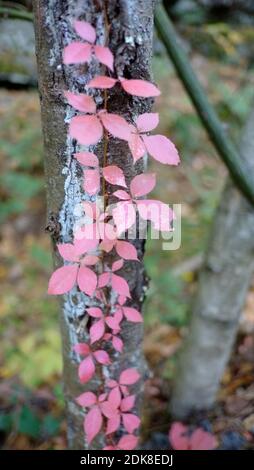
{"x":111,"y":408}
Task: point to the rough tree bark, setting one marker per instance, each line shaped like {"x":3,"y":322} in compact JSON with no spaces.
{"x":130,"y":39}
{"x":222,"y":288}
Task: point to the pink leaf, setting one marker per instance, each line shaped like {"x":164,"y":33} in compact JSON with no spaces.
{"x":91,"y":181}
{"x":114,"y":397}
{"x":87,"y":159}
{"x":103,"y":279}
{"x":113,"y":424}
{"x":86,"y":399}
{"x":142,"y":184}
{"x":62,"y":280}
{"x":136,"y":146}
{"x":85,"y":30}
{"x":132,"y":314}
{"x":162,"y":149}
{"x":130,"y":422}
{"x":158,"y":212}
{"x":124,"y":216}
{"x":202,"y":440}
{"x":112,"y":322}
{"x":126,"y":250}
{"x":82,"y":348}
{"x":116,"y":125}
{"x":87,"y":280}
{"x":129,"y":377}
{"x":177,"y":437}
{"x":128,"y":403}
{"x":117,"y":265}
{"x":108,"y":409}
{"x":114,"y":175}
{"x":102,"y":357}
{"x":86,"y":370}
{"x":67,"y":251}
{"x":95,"y":312}
{"x":128,"y":442}
{"x":120,"y":194}
{"x":117,"y":343}
{"x":102,"y":82}
{"x":96,"y":331}
{"x":89,"y":260}
{"x":76,"y":53}
{"x":147,"y":122}
{"x":92,"y":423}
{"x":141,"y":88}
{"x":81,"y":102}
{"x":120,"y":285}
{"x":104,"y":56}
{"x":87,"y":130}
{"x":84,"y":245}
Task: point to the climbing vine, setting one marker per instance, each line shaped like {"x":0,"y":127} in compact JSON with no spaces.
{"x":111,"y":409}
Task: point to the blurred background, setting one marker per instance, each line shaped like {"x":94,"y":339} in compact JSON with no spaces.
{"x":219,"y":38}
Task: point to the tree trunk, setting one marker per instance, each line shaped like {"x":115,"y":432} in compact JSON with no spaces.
{"x":223,"y":284}
{"x":130,"y":39}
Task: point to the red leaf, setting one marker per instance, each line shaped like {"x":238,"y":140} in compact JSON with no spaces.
{"x":114,"y":175}
{"x":141,"y":88}
{"x":126,"y":250}
{"x":202,"y":440}
{"x":132,"y":314}
{"x":86,"y":399}
{"x":87,"y":130}
{"x":147,"y":122}
{"x":128,"y":442}
{"x":85,"y":30}
{"x":87,"y":280}
{"x":116,"y":125}
{"x":76,"y":53}
{"x":87,"y":159}
{"x":162,"y":149}
{"x":112,"y":322}
{"x":91,"y":181}
{"x":81,"y":102}
{"x":89,"y":260}
{"x":129,"y":377}
{"x":102,"y":82}
{"x":108,"y":409}
{"x":177,"y":437}
{"x":62,"y":280}
{"x":84,"y":245}
{"x":104,"y":56}
{"x":92,"y":423}
{"x":130,"y":422}
{"x":142,"y":184}
{"x":96,"y":331}
{"x":102,"y":357}
{"x":86,"y":370}
{"x":120,"y":285}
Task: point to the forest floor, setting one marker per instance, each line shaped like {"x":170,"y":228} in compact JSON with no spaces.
{"x":31,"y":397}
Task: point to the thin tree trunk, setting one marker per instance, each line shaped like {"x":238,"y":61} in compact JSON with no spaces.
{"x":130,"y":39}
{"x":223,"y":284}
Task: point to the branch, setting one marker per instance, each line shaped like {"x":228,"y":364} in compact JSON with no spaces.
{"x":16,"y":14}
{"x":240,"y":172}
